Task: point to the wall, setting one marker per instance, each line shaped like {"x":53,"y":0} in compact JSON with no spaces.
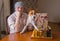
{"x":52,"y":7}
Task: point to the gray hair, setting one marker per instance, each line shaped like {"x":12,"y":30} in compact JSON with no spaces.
{"x":19,"y":4}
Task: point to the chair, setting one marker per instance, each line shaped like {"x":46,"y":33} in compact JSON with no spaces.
{"x":7,"y":28}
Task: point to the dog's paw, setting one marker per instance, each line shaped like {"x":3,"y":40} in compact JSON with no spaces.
{"x":21,"y":32}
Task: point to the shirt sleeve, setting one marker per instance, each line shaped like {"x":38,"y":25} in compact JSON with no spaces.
{"x":10,"y":21}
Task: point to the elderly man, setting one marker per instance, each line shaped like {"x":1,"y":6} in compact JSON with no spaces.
{"x":17,"y":20}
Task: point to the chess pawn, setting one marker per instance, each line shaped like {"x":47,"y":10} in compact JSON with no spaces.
{"x":40,"y":33}
{"x":48,"y":33}
{"x":35,"y":33}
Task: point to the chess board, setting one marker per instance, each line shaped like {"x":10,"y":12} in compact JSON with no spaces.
{"x":43,"y":34}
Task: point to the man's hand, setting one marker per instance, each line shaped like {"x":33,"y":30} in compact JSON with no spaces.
{"x":18,"y":14}
{"x":17,"y":22}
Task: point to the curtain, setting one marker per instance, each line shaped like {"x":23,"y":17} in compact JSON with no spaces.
{"x":1,"y":14}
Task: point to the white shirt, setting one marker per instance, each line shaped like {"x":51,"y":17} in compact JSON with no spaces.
{"x":11,"y":20}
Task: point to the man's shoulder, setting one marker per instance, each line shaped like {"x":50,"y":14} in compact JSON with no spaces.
{"x":12,"y":16}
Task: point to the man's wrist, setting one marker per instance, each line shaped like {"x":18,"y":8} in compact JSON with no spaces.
{"x":16,"y":30}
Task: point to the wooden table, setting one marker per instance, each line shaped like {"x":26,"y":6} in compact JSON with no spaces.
{"x":27,"y":37}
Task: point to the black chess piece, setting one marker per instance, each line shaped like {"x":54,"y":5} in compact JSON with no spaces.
{"x":48,"y":33}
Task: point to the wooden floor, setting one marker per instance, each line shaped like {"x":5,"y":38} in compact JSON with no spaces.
{"x":55,"y":30}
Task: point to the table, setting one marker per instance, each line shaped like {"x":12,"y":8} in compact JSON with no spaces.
{"x":27,"y":37}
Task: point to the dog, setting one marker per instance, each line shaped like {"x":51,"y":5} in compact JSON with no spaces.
{"x":30,"y":20}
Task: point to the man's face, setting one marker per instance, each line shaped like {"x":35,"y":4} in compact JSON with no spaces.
{"x":20,"y":9}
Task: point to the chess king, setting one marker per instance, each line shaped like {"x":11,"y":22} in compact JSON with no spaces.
{"x":30,"y":20}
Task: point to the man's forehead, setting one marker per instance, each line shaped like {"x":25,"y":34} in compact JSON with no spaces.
{"x":20,"y":7}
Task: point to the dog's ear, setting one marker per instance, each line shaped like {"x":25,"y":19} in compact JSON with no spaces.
{"x":31,"y":12}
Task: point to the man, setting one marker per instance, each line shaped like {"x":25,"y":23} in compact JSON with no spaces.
{"x":17,"y":20}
